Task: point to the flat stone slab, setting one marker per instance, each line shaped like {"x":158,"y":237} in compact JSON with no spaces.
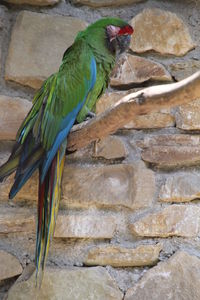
{"x":183,"y":69}
{"x":188,"y":116}
{"x":9,"y":124}
{"x":132,"y":69}
{"x":16,"y":220}
{"x":182,"y":187}
{"x":111,"y":147}
{"x":174,"y":220}
{"x":37,"y":44}
{"x":171,"y":150}
{"x":110,"y":186}
{"x":161,"y":31}
{"x":9,"y":266}
{"x":34,"y":2}
{"x":85,"y":226}
{"x":177,"y":279}
{"x":117,"y":256}
{"x":93,"y":226}
{"x":68,"y":284}
{"x":104,"y":3}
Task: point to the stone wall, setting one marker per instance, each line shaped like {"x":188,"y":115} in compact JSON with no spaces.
{"x":129,"y":219}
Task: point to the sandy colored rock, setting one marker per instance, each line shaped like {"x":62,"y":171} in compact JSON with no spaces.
{"x":188,"y":116}
{"x":171,"y":150}
{"x":5,"y":150}
{"x":144,"y":190}
{"x":34,"y":2}
{"x":101,"y":186}
{"x":9,"y":125}
{"x":169,"y":140}
{"x":103,"y":3}
{"x":177,"y":279}
{"x":22,"y":220}
{"x":109,"y":186}
{"x":174,"y":220}
{"x":181,"y":70}
{"x":0,"y":53}
{"x":154,"y":120}
{"x":38,"y":42}
{"x":110,"y":147}
{"x":161,"y":31}
{"x":132,"y":69}
{"x":182,"y":187}
{"x":16,"y":220}
{"x":27,"y":193}
{"x":68,"y":284}
{"x":9,"y":265}
{"x":117,"y":256}
{"x":85,"y":226}
{"x":159,"y":119}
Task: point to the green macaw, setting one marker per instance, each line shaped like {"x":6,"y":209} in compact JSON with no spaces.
{"x":66,"y":96}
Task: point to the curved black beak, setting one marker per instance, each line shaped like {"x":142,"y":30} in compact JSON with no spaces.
{"x":123,"y":42}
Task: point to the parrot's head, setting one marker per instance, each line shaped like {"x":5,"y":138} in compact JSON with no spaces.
{"x":119,"y":37}
{"x":113,"y":33}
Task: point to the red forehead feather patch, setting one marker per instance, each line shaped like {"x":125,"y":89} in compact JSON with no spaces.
{"x":114,"y":31}
{"x":126,"y":30}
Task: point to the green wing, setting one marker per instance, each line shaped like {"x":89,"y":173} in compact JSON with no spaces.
{"x":59,"y":100}
{"x":94,"y":94}
{"x":60,"y":94}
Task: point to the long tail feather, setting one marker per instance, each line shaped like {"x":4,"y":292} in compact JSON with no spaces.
{"x":9,"y":167}
{"x":48,"y":203}
{"x":12,"y":163}
{"x":25,"y":169}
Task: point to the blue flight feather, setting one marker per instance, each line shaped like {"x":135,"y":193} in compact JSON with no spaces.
{"x":67,"y":123}
{"x":16,"y":187}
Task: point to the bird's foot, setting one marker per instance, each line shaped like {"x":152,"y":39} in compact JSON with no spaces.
{"x":90,"y":115}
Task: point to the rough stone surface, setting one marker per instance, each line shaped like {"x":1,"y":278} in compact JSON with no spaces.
{"x":2,"y":17}
{"x":102,"y":186}
{"x":171,"y":150}
{"x":16,"y":221}
{"x":180,"y":188}
{"x":9,"y":266}
{"x":188,"y":116}
{"x":103,"y":3}
{"x":112,"y":185}
{"x":110,"y":147}
{"x":9,"y":125}
{"x":5,"y":149}
{"x":159,"y":119}
{"x":85,"y":226}
{"x":181,"y":70}
{"x":0,"y":53}
{"x":68,"y":284}
{"x":132,"y":69}
{"x":117,"y":256}
{"x":177,"y":279}
{"x":174,"y":220}
{"x":67,"y":226}
{"x":34,"y":2}
{"x":161,"y":31}
{"x":37,"y":44}
{"x":27,"y":193}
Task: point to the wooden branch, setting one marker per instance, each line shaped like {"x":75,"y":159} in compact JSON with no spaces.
{"x":13,"y":110}
{"x":142,"y":102}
